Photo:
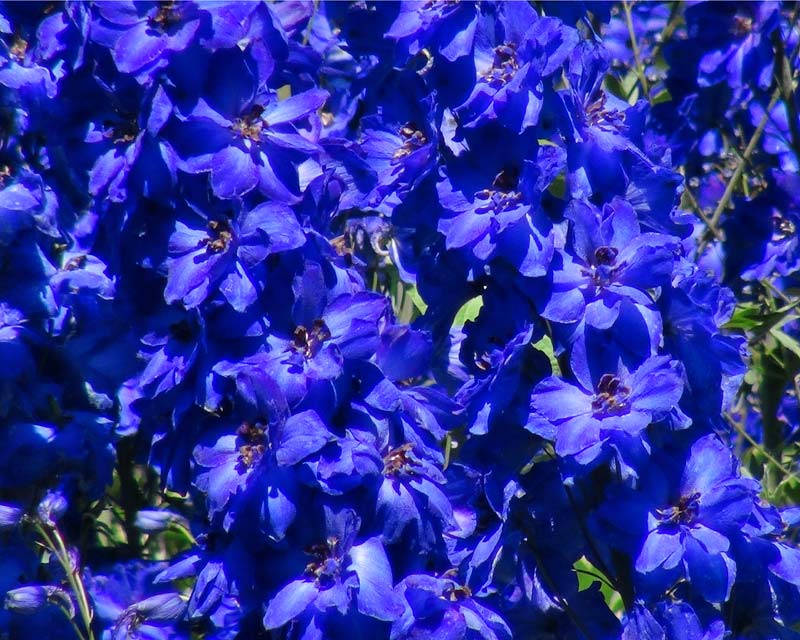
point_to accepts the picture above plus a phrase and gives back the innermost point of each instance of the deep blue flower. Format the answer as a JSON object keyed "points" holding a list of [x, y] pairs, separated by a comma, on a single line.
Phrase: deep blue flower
{"points": [[688, 531], [142, 35], [236, 461], [441, 28], [225, 254], [515, 53], [613, 262], [734, 41], [128, 147], [621, 401], [126, 605], [340, 574], [245, 137], [443, 608], [496, 214]]}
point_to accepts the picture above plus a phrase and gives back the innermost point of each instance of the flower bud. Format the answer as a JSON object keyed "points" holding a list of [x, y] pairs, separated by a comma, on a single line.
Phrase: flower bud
{"points": [[51, 508], [29, 599], [153, 520], [10, 516]]}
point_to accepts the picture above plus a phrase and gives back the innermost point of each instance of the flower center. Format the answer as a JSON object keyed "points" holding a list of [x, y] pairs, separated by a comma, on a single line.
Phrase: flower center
{"points": [[413, 139], [597, 115], [742, 25], [219, 236], [782, 227], [167, 15], [682, 513], [397, 460], [250, 125], [18, 49], [457, 593], [75, 263], [503, 194], [254, 439], [604, 268], [611, 396], [326, 565], [122, 132], [308, 342], [504, 66]]}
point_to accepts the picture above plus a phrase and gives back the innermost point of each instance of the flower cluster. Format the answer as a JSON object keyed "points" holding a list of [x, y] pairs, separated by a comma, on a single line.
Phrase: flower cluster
{"points": [[418, 319]]}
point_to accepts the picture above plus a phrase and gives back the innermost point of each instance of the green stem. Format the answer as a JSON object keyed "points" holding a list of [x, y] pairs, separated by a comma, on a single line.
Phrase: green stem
{"points": [[740, 166], [55, 544], [639, 67]]}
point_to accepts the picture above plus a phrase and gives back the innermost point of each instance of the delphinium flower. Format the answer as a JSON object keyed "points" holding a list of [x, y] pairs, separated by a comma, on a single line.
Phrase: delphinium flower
{"points": [[621, 401], [226, 253], [340, 573], [689, 532], [243, 136], [515, 52]]}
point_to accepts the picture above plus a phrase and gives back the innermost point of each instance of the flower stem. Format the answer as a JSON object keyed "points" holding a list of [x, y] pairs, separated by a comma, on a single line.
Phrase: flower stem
{"points": [[55, 543]]}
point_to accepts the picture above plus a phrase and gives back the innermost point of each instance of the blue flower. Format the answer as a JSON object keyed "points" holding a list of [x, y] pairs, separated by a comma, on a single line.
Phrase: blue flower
{"points": [[515, 52], [623, 401], [245, 137], [439, 27], [237, 461], [688, 532], [613, 262], [443, 608], [226, 253], [339, 574], [143, 35]]}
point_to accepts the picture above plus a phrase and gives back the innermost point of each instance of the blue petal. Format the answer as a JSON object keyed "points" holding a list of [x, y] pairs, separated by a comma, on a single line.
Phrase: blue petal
{"points": [[376, 597], [289, 603]]}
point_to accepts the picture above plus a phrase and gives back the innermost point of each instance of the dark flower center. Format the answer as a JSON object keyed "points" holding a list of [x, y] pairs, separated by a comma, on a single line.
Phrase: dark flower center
{"points": [[250, 125], [684, 512], [18, 49], [606, 255], [397, 460], [597, 115], [73, 264], [503, 194], [782, 227], [413, 139], [167, 15], [504, 66], [308, 342], [219, 236], [131, 620], [457, 593], [254, 439], [604, 269], [742, 25], [611, 396], [122, 132], [326, 565]]}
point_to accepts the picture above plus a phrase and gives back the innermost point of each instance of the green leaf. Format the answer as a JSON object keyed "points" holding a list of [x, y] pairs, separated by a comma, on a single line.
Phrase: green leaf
{"points": [[558, 187], [751, 316], [588, 574], [747, 316], [545, 345], [468, 311], [786, 341], [662, 96], [419, 303]]}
